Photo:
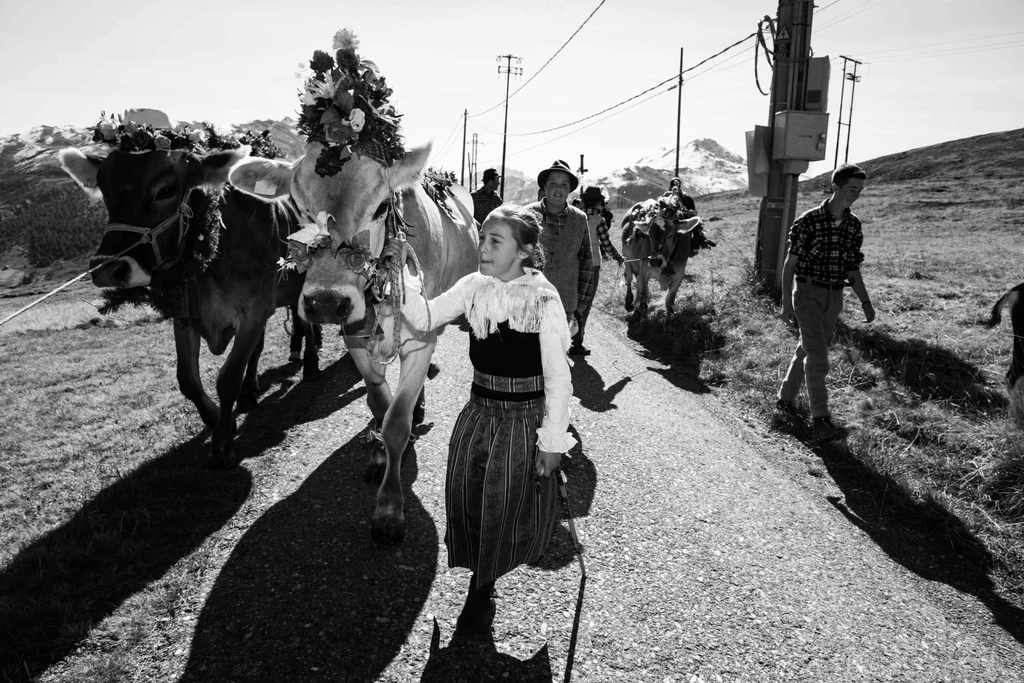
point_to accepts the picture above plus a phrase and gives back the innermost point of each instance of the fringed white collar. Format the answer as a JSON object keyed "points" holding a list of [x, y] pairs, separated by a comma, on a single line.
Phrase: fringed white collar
{"points": [[529, 303]]}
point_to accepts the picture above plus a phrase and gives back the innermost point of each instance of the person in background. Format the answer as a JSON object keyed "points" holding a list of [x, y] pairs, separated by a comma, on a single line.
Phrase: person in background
{"points": [[565, 237], [594, 206], [508, 440], [486, 199], [824, 253]]}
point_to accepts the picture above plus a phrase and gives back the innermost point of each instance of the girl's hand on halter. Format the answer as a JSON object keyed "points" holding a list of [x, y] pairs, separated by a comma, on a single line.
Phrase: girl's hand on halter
{"points": [[397, 249], [547, 462]]}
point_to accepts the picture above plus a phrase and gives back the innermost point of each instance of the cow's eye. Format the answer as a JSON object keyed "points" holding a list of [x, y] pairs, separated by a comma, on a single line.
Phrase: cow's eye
{"points": [[380, 210], [165, 192]]}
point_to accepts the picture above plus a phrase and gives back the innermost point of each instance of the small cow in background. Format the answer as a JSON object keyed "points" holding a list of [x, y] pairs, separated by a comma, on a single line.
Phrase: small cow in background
{"points": [[1014, 300]]}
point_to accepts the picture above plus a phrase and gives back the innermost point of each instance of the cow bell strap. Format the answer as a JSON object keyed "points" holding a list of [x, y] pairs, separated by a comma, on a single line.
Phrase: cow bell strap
{"points": [[149, 235]]}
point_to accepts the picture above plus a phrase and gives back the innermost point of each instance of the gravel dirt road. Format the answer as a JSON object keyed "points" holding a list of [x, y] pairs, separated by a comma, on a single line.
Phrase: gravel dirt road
{"points": [[716, 551]]}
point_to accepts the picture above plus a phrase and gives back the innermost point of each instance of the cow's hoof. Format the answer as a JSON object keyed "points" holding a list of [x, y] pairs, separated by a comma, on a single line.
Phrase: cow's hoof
{"points": [[378, 464], [222, 456], [629, 302], [387, 529]]}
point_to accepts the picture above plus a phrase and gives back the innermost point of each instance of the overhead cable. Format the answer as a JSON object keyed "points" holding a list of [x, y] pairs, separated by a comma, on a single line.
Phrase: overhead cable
{"points": [[545, 63], [641, 94]]}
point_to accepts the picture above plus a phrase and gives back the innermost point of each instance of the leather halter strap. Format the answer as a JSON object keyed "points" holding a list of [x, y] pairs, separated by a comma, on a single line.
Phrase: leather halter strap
{"points": [[149, 235]]}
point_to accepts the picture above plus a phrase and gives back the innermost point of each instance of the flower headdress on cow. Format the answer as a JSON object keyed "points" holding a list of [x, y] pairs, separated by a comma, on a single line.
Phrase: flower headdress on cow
{"points": [[345, 108], [147, 130]]}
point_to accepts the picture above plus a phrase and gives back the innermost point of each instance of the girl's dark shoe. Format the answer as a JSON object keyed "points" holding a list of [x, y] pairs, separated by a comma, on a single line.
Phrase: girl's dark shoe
{"points": [[478, 612]]}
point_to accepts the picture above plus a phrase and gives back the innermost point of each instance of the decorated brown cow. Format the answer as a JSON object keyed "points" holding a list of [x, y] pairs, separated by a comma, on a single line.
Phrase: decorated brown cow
{"points": [[201, 253], [364, 189], [658, 238]]}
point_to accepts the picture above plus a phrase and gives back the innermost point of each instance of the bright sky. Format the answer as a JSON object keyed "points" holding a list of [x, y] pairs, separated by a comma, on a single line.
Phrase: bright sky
{"points": [[933, 70]]}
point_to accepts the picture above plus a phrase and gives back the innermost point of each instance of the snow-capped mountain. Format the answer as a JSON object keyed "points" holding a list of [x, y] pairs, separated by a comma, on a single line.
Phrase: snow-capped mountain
{"points": [[705, 167]]}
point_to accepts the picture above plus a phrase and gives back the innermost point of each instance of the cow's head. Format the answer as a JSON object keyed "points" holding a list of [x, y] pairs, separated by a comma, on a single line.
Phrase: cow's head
{"points": [[358, 198], [145, 195], [649, 221]]}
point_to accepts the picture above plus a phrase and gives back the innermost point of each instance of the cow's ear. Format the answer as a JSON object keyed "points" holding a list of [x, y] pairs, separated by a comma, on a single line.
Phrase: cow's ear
{"points": [[82, 168], [266, 178], [407, 170], [217, 165]]}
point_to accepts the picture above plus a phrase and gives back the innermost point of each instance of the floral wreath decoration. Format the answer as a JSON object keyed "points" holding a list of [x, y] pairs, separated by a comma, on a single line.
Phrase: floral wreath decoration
{"points": [[304, 243], [346, 108]]}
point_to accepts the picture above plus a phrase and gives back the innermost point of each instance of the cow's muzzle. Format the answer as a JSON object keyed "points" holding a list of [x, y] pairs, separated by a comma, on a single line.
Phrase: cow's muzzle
{"points": [[326, 306], [118, 272]]}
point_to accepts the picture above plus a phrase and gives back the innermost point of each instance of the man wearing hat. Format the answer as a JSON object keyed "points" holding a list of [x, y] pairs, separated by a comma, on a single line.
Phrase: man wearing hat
{"points": [[565, 238], [594, 206], [486, 199]]}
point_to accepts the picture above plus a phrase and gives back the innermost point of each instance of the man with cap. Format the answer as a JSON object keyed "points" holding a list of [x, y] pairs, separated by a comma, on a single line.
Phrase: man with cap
{"points": [[486, 199], [565, 238]]}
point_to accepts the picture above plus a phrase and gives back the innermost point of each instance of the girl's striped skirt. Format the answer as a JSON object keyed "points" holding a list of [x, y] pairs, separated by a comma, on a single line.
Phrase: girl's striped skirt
{"points": [[500, 513]]}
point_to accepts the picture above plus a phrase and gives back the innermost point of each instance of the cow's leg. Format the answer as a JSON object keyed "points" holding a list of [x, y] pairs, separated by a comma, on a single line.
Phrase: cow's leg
{"points": [[1017, 360], [673, 287], [378, 399], [250, 392], [628, 277], [419, 413], [186, 346], [311, 359], [388, 522], [229, 384], [642, 291]]}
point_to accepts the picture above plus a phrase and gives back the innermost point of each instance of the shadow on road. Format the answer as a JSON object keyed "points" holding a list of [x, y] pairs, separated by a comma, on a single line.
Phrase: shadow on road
{"points": [[306, 595], [921, 536], [588, 386], [468, 660]]}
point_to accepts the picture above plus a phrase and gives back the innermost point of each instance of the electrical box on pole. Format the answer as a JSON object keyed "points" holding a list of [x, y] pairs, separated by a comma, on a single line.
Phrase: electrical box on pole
{"points": [[795, 138]]}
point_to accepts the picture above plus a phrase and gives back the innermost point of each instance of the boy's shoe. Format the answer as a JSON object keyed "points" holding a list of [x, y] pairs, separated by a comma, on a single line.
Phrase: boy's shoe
{"points": [[823, 428], [787, 408], [294, 356], [578, 350]]}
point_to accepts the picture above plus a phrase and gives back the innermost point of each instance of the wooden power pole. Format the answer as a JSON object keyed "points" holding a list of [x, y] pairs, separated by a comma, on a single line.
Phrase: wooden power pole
{"points": [[788, 99], [679, 110]]}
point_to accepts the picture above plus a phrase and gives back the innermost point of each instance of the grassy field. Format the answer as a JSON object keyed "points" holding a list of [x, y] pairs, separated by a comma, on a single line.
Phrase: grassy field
{"points": [[932, 469]]}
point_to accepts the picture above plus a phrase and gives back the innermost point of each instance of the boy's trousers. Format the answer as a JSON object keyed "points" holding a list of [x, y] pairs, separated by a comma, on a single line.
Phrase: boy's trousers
{"points": [[817, 310]]}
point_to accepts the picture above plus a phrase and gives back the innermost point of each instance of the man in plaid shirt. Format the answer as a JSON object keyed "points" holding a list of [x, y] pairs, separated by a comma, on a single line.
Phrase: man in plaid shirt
{"points": [[824, 253], [593, 201]]}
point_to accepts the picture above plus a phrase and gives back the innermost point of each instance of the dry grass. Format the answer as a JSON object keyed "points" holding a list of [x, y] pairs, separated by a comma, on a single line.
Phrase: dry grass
{"points": [[933, 431]]}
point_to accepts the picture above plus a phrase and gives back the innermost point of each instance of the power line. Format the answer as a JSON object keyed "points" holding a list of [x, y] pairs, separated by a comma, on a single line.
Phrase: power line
{"points": [[641, 94], [945, 42], [964, 50], [545, 63], [848, 16], [451, 137]]}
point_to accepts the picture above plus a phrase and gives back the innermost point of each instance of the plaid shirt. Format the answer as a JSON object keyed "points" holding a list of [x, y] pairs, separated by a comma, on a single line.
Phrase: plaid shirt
{"points": [[605, 248], [565, 238], [483, 203], [826, 250]]}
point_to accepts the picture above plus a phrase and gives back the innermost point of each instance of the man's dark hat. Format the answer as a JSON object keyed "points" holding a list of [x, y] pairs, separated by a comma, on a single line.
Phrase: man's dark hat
{"points": [[592, 196], [491, 174], [558, 165]]}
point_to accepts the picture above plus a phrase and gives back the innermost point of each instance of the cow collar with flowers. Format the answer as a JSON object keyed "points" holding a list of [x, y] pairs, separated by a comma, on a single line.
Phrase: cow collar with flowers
{"points": [[346, 108]]}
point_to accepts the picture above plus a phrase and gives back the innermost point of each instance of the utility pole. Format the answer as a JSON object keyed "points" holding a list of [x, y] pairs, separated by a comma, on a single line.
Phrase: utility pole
{"points": [[849, 121], [842, 93], [472, 164], [679, 110], [582, 170], [465, 119], [788, 94], [509, 71]]}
